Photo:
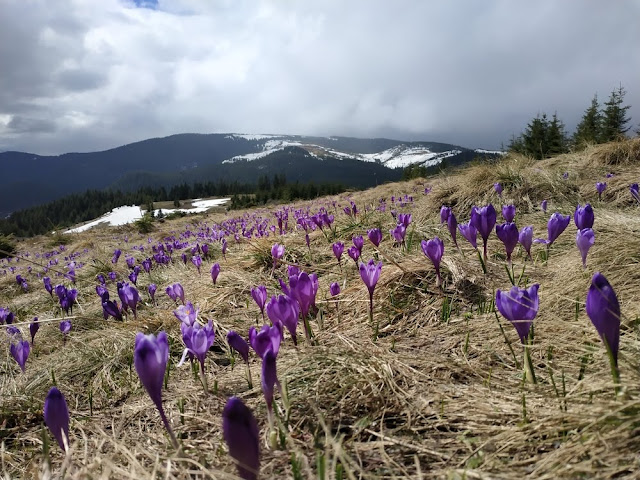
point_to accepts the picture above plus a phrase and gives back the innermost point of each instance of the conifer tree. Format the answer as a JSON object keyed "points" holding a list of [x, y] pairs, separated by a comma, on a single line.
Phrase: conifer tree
{"points": [[535, 137], [589, 130], [556, 138], [614, 116]]}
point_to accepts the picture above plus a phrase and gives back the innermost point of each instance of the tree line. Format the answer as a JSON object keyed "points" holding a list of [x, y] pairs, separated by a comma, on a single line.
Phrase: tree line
{"points": [[545, 137]]}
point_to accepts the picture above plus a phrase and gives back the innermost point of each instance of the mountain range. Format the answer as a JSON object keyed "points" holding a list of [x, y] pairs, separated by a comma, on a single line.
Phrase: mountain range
{"points": [[30, 179]]}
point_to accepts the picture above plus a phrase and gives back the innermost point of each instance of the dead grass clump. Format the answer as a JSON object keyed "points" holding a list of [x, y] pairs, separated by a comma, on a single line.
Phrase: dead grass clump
{"points": [[624, 152]]}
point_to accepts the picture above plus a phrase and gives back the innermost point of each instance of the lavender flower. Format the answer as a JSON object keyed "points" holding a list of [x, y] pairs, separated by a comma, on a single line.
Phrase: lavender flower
{"points": [[452, 226], [259, 295], [520, 307], [187, 314], [469, 232], [498, 188], [34, 326], [197, 261], [152, 288], [444, 213], [555, 226], [635, 191], [543, 206], [239, 344]]}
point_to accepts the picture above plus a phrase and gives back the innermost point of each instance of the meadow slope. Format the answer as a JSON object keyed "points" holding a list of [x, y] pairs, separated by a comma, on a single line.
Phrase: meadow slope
{"points": [[438, 394]]}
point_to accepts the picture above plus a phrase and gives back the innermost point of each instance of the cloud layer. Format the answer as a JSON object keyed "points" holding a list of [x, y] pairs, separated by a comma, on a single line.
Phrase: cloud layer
{"points": [[84, 75]]}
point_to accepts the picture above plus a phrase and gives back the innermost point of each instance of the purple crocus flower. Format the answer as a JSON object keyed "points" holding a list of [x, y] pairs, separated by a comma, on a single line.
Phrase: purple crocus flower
{"points": [[130, 297], [583, 216], [543, 206], [116, 255], [240, 432], [358, 242], [184, 258], [434, 249], [197, 261], [146, 264], [131, 261], [526, 239], [239, 344], [133, 277], [113, 276], [635, 191], [110, 308], [404, 219], [508, 235], [484, 219], [266, 340], [354, 253], [215, 271], [47, 285], [565, 175], [338, 249], [555, 226], [284, 310], [370, 274], [150, 358], [152, 288], [604, 311], [198, 342], [520, 307], [469, 232], [600, 188], [398, 233], [56, 417], [269, 380], [508, 213], [20, 352], [452, 226], [187, 314], [444, 213], [102, 292], [65, 328], [334, 289], [34, 326], [259, 295], [498, 188], [205, 250], [224, 248], [176, 291], [585, 239], [303, 291], [375, 236], [99, 277], [277, 251]]}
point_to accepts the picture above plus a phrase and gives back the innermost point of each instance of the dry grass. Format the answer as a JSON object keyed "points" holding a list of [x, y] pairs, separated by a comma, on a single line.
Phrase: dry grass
{"points": [[428, 399]]}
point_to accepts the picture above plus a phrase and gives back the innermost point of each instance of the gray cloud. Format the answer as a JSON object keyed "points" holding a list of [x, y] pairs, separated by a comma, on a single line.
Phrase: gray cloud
{"points": [[100, 74]]}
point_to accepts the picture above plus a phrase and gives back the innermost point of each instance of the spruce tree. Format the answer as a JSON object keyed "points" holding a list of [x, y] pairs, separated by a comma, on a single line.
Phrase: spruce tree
{"points": [[535, 137], [614, 116], [556, 138], [589, 130]]}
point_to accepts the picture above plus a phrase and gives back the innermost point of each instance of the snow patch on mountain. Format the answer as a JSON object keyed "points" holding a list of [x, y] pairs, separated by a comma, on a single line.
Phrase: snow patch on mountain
{"points": [[490, 152]]}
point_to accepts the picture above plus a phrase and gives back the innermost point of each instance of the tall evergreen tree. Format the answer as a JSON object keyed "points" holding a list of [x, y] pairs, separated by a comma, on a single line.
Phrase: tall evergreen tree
{"points": [[535, 137], [589, 130], [556, 138], [614, 116]]}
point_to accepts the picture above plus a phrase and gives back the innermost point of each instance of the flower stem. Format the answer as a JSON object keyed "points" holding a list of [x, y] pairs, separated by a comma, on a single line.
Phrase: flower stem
{"points": [[615, 372], [506, 339], [204, 378], [174, 441], [528, 366], [249, 381]]}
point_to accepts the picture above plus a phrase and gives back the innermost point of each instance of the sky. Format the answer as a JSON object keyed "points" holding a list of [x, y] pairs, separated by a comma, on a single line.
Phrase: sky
{"points": [[86, 75]]}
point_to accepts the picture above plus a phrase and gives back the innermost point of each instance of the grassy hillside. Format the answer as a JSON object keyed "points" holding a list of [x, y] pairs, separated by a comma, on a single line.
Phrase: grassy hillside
{"points": [[438, 393]]}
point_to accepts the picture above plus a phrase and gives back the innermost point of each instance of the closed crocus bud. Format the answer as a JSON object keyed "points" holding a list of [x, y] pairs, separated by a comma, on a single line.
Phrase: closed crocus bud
{"points": [[152, 291], [56, 417], [284, 310], [484, 219], [354, 253], [604, 311], [269, 378], [375, 236], [240, 431], [358, 242], [259, 295], [434, 249], [267, 339], [398, 233], [508, 235], [302, 289], [543, 206], [469, 232], [452, 226], [102, 292], [338, 248], [334, 289], [277, 251], [197, 261], [635, 191], [520, 307], [498, 188], [370, 274], [526, 239], [20, 352], [585, 239], [215, 271], [508, 213], [47, 285], [239, 344], [555, 226], [444, 213], [34, 326], [583, 216], [600, 188], [132, 297]]}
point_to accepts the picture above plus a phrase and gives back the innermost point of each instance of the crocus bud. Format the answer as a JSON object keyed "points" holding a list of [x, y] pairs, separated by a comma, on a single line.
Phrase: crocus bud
{"points": [[215, 271], [526, 239], [434, 249], [469, 232], [444, 213], [508, 235], [604, 311], [334, 289], [20, 352], [34, 326], [150, 358], [520, 307], [585, 239], [240, 431], [259, 295], [338, 248], [239, 344], [375, 236], [284, 310], [508, 213], [583, 216], [56, 417]]}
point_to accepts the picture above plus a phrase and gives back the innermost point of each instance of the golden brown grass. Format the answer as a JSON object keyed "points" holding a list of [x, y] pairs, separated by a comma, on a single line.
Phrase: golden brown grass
{"points": [[428, 399]]}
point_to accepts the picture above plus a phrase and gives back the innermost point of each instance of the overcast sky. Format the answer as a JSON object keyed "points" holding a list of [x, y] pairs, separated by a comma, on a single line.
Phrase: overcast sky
{"points": [[85, 75]]}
